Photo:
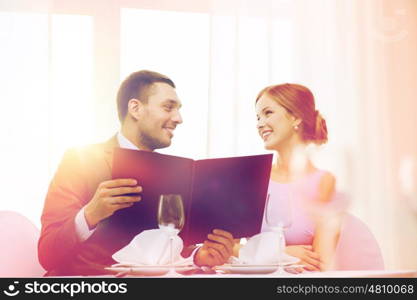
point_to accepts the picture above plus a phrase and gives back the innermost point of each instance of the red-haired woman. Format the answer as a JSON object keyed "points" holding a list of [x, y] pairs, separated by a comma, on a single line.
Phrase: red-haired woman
{"points": [[287, 122]]}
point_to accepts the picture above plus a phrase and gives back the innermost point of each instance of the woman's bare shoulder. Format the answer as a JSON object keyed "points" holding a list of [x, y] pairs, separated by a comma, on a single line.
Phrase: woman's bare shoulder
{"points": [[327, 186]]}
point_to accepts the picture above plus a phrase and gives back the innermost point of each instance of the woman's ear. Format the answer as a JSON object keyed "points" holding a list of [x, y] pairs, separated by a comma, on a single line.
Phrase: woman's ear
{"points": [[134, 108], [296, 121]]}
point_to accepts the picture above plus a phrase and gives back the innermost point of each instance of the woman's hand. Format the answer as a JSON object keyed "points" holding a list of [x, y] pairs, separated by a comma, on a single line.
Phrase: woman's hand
{"points": [[308, 258]]}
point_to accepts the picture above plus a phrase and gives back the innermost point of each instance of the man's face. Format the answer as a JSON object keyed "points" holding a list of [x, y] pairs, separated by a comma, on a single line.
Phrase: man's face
{"points": [[159, 117]]}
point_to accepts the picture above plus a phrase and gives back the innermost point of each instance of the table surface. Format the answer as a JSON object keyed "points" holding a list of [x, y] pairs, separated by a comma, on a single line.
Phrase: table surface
{"points": [[326, 274]]}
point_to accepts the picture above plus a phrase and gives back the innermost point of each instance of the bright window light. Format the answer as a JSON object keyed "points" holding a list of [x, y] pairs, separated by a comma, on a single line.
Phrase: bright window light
{"points": [[24, 112], [253, 70], [45, 102], [71, 105], [175, 44], [222, 103]]}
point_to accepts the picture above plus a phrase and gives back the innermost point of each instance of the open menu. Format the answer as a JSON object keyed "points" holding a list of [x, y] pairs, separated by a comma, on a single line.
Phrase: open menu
{"points": [[224, 193]]}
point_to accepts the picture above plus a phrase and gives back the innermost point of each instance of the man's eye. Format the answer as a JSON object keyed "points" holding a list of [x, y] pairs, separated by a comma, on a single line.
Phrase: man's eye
{"points": [[168, 107]]}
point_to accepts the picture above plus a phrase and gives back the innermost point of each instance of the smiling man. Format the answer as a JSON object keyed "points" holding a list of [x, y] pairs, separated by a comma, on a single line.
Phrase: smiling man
{"points": [[82, 193]]}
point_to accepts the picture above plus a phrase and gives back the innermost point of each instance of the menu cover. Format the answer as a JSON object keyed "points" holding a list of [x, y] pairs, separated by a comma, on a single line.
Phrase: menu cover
{"points": [[223, 193]]}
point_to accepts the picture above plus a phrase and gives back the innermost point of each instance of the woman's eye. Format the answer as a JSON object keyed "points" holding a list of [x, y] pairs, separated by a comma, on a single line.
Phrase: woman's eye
{"points": [[168, 107], [268, 112]]}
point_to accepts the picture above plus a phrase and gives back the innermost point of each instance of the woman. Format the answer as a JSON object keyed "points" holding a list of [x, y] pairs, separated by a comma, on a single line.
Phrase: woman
{"points": [[287, 123]]}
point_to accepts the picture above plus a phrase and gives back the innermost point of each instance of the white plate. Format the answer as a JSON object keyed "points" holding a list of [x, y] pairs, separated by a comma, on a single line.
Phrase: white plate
{"points": [[247, 269], [255, 269], [288, 260], [145, 270], [150, 270]]}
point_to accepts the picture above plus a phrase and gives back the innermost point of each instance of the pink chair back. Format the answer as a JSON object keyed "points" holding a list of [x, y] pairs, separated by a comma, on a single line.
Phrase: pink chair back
{"points": [[357, 248], [18, 244]]}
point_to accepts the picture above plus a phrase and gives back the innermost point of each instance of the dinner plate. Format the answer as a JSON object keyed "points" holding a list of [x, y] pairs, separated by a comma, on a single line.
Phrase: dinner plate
{"points": [[142, 270], [247, 269], [256, 268], [148, 270]]}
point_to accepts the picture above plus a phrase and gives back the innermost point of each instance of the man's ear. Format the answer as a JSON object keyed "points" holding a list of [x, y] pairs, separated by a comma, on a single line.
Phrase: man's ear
{"points": [[134, 108]]}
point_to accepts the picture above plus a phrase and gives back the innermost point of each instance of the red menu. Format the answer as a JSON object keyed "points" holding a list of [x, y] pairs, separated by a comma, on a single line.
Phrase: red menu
{"points": [[224, 193]]}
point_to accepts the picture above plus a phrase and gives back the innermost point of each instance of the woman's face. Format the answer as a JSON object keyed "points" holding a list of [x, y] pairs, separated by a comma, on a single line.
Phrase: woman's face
{"points": [[275, 124]]}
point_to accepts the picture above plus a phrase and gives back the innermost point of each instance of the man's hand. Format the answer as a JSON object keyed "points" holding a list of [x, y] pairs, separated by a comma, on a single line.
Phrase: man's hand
{"points": [[110, 197], [216, 250], [308, 258]]}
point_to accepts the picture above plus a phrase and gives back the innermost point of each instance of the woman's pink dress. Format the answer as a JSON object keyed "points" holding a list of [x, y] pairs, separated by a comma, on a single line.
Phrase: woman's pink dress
{"points": [[357, 248]]}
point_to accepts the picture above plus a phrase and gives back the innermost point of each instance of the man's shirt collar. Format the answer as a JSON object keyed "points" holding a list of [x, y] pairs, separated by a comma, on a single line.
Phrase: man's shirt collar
{"points": [[125, 143]]}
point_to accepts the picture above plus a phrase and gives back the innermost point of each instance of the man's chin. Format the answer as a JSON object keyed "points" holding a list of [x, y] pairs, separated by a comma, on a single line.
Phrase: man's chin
{"points": [[167, 144], [163, 144], [155, 143]]}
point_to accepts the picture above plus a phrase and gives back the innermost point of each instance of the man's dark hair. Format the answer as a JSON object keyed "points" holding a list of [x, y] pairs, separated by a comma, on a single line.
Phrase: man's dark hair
{"points": [[136, 86]]}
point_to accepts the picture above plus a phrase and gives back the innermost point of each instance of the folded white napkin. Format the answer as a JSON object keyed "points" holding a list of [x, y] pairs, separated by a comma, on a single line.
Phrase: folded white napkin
{"points": [[151, 247], [263, 249]]}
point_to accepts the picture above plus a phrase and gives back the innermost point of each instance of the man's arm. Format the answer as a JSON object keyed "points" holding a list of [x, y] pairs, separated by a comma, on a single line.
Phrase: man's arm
{"points": [[66, 196], [110, 196], [81, 226], [216, 250]]}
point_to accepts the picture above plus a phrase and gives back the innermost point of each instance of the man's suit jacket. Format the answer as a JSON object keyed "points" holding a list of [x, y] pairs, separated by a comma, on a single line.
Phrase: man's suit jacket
{"points": [[73, 186]]}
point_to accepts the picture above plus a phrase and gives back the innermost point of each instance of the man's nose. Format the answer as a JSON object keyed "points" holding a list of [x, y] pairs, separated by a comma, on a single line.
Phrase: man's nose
{"points": [[177, 118]]}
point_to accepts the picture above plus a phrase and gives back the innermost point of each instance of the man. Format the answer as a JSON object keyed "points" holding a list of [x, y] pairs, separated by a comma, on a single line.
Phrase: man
{"points": [[82, 194]]}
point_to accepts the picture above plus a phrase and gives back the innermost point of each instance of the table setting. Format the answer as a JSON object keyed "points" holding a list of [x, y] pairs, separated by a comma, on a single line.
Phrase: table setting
{"points": [[148, 254], [157, 252]]}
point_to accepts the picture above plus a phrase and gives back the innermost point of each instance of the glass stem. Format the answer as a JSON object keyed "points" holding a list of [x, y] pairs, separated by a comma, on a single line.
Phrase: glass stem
{"points": [[170, 253], [281, 241]]}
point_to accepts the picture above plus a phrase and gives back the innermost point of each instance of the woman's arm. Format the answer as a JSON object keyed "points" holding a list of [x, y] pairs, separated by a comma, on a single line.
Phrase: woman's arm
{"points": [[327, 221], [308, 258]]}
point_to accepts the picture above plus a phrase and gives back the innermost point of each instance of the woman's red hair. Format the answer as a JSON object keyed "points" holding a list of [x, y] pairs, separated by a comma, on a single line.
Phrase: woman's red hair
{"points": [[299, 101]]}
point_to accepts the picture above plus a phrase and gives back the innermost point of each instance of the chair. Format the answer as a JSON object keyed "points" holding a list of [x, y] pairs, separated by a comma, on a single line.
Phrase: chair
{"points": [[19, 252], [357, 248]]}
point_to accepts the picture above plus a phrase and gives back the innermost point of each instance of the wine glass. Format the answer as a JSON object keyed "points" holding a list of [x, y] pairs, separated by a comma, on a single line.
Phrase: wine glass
{"points": [[171, 218], [278, 218]]}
